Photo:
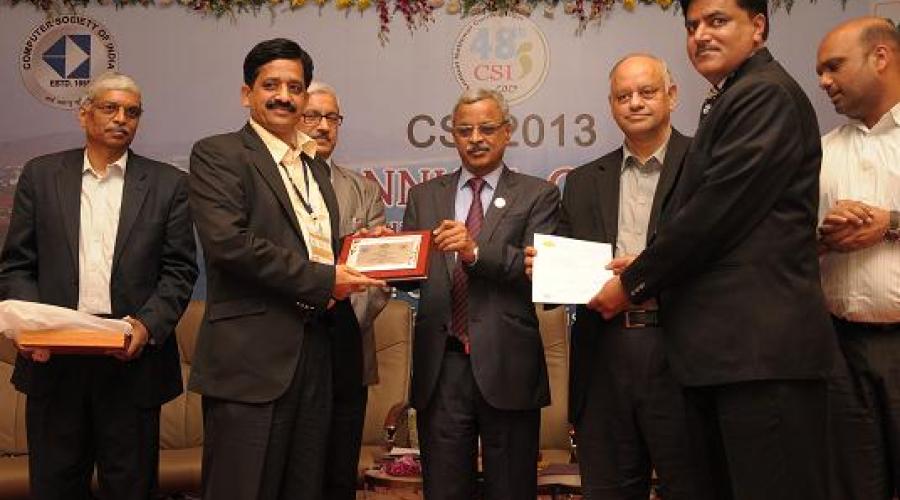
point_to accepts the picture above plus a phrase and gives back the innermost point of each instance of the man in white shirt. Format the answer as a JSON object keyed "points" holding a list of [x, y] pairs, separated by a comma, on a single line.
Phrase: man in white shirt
{"points": [[353, 356], [859, 67], [266, 216], [107, 232]]}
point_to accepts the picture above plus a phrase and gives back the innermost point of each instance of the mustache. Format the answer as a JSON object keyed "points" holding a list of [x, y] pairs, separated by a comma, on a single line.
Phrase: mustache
{"points": [[118, 129], [285, 105], [318, 135], [478, 148], [704, 48]]}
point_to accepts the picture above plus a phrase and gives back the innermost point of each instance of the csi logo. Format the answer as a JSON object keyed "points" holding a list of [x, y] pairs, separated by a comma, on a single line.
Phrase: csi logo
{"points": [[505, 53], [61, 55]]}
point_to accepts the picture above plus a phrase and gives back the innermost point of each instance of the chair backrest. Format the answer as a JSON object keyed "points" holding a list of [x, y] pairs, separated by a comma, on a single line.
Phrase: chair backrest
{"points": [[554, 325], [12, 404], [181, 420], [393, 345]]}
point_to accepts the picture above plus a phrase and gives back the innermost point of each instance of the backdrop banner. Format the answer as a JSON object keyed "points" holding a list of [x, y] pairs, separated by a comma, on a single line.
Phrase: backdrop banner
{"points": [[396, 98]]}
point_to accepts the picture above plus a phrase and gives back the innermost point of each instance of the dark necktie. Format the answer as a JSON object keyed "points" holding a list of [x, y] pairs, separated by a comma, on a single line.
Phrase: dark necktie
{"points": [[459, 293]]}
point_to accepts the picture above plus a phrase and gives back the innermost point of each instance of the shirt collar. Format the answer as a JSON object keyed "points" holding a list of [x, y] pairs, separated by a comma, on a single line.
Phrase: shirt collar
{"points": [[490, 179], [659, 154], [888, 121], [278, 148], [120, 162]]}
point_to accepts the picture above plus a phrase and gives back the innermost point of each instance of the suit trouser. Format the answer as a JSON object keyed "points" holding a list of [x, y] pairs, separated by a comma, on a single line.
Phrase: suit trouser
{"points": [[760, 440], [275, 450], [449, 428], [633, 421], [348, 414], [90, 416], [864, 400]]}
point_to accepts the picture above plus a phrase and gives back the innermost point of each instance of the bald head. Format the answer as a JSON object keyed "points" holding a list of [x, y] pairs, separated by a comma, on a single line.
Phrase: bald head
{"points": [[858, 64], [641, 98]]}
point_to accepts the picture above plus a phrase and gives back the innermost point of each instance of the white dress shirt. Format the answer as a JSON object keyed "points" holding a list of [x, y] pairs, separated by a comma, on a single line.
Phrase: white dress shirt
{"points": [[295, 178], [863, 164], [101, 203]]}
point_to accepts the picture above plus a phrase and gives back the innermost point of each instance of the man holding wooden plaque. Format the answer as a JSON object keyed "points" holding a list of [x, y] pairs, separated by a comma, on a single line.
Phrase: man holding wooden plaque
{"points": [[106, 232]]}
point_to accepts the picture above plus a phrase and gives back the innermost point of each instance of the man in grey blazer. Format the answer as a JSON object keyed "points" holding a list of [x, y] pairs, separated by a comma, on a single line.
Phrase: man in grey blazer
{"points": [[478, 360], [353, 356]]}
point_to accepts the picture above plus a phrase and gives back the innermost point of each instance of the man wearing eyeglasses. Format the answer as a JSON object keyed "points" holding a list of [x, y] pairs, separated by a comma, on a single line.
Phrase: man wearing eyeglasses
{"points": [[478, 359], [353, 356], [622, 384], [107, 232]]}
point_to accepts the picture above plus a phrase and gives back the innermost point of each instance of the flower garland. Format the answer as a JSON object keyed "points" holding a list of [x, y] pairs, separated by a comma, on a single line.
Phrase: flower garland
{"points": [[415, 13]]}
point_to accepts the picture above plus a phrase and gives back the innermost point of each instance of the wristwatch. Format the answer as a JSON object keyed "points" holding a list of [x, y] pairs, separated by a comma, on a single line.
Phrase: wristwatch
{"points": [[893, 231]]}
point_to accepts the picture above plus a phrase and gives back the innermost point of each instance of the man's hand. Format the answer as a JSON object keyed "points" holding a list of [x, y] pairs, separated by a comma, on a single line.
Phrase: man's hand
{"points": [[852, 225], [139, 338], [530, 254], [452, 236], [38, 355], [619, 264], [374, 232], [611, 299], [348, 280]]}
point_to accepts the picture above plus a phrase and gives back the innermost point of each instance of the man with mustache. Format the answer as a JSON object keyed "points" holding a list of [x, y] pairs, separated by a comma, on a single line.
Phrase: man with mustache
{"points": [[107, 232], [859, 68], [478, 360], [355, 367], [267, 218], [735, 269], [621, 383]]}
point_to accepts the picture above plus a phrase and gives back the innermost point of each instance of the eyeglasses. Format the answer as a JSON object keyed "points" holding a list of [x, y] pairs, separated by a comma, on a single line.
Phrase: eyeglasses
{"points": [[484, 129], [110, 109], [646, 94], [314, 117]]}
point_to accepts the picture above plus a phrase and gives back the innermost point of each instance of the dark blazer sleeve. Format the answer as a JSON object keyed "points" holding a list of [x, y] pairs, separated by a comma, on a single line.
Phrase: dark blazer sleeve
{"points": [[744, 175], [505, 263], [178, 269], [220, 202], [19, 259]]}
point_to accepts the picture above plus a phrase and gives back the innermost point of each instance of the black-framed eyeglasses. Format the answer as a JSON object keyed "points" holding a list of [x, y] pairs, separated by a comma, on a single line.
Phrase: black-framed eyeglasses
{"points": [[314, 117], [111, 109], [484, 129]]}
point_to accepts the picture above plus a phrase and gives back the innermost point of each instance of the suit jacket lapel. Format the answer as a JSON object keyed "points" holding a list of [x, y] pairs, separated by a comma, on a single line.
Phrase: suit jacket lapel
{"points": [[445, 201], [671, 169], [68, 187], [262, 160], [320, 174], [606, 211], [506, 189], [133, 194]]}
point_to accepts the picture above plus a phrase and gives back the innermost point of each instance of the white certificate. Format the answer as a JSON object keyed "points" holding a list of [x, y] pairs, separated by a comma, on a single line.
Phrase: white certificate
{"points": [[568, 271]]}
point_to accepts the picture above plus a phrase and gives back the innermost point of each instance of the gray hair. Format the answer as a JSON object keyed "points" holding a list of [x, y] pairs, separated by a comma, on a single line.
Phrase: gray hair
{"points": [[106, 82], [668, 81], [473, 95], [317, 87]]}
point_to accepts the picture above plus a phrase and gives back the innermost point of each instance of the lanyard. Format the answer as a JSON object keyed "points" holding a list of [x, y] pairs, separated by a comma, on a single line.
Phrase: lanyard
{"points": [[306, 205]]}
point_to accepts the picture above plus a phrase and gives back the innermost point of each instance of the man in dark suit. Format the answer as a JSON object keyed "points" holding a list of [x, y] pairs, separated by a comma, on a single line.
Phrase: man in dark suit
{"points": [[735, 269], [107, 232], [478, 361], [353, 356], [268, 222], [621, 383]]}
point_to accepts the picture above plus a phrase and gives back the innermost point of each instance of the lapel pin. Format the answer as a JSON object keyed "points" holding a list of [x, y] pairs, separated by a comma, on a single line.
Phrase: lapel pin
{"points": [[499, 202]]}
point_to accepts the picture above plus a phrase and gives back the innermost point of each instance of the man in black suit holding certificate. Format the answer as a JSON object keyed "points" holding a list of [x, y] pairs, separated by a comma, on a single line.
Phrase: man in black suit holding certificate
{"points": [[735, 269]]}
